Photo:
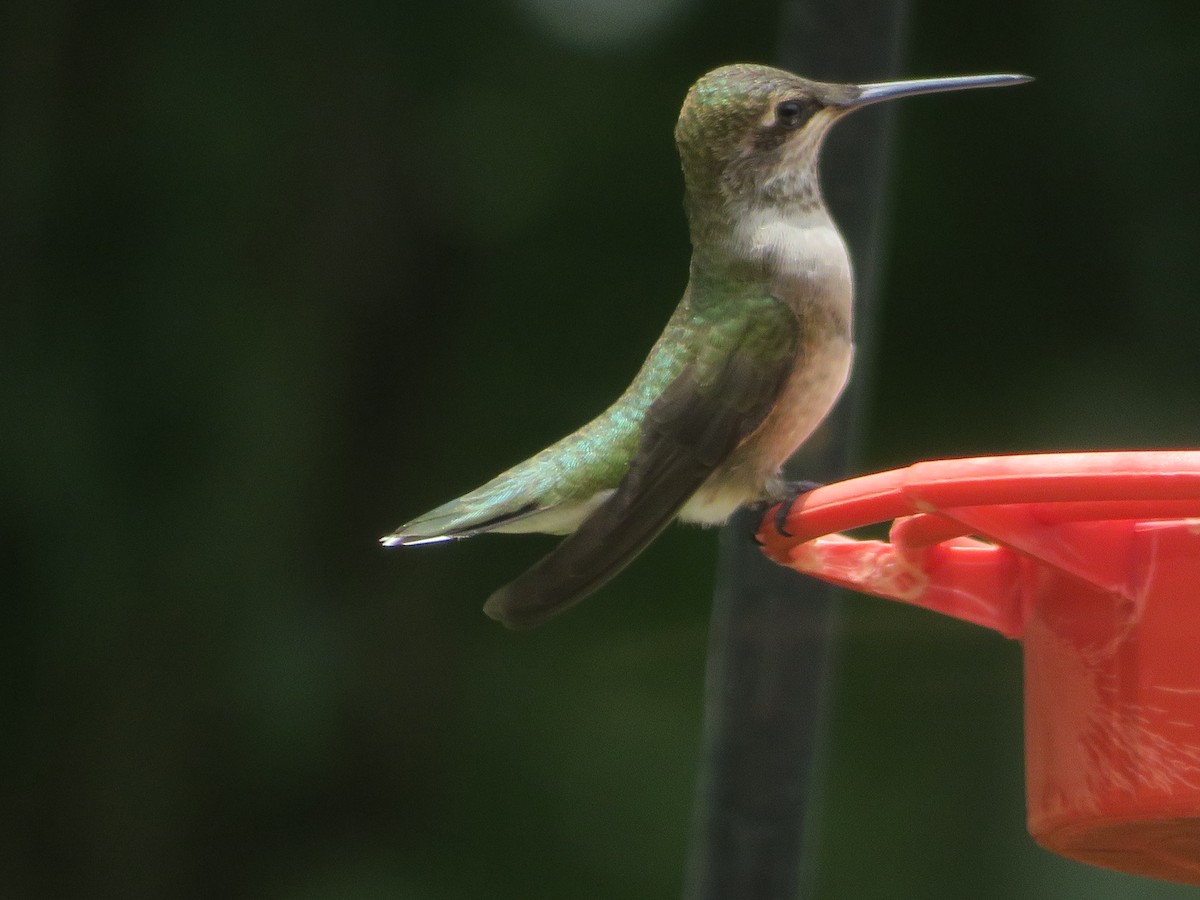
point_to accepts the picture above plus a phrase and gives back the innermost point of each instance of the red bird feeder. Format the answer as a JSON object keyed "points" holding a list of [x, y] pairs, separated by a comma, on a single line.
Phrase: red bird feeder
{"points": [[1092, 561]]}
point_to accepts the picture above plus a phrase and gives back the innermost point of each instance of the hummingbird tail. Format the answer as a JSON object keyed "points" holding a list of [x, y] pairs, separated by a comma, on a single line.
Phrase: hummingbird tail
{"points": [[454, 521]]}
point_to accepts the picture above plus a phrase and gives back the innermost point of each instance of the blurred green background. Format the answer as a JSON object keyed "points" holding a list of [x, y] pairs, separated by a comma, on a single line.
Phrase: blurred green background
{"points": [[276, 277]]}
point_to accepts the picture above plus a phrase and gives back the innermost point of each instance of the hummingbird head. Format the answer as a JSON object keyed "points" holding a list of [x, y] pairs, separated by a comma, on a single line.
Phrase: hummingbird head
{"points": [[751, 135]]}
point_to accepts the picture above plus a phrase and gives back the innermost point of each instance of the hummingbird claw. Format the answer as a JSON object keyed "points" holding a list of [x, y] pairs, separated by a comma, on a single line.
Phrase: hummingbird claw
{"points": [[759, 508], [795, 490]]}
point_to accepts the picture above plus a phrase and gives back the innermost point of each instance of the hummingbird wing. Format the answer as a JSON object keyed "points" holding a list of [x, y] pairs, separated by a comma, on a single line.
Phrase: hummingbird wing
{"points": [[720, 399]]}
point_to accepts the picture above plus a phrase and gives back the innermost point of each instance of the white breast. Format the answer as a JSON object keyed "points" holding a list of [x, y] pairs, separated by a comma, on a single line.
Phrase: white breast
{"points": [[810, 267], [803, 249]]}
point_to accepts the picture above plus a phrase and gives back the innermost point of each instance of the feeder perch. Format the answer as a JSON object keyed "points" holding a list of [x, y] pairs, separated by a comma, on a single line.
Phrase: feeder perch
{"points": [[1092, 562]]}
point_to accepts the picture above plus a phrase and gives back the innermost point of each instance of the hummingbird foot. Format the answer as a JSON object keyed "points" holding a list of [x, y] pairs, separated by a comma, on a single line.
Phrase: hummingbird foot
{"points": [[789, 492], [793, 491]]}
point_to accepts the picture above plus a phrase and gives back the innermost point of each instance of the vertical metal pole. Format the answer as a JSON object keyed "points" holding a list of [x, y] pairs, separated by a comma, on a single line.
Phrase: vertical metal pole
{"points": [[770, 632]]}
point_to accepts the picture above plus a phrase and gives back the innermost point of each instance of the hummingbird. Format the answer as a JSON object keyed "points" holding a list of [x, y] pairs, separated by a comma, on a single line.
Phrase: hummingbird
{"points": [[749, 364]]}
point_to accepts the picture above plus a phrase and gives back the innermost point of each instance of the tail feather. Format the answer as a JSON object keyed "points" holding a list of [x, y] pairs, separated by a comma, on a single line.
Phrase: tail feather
{"points": [[456, 520]]}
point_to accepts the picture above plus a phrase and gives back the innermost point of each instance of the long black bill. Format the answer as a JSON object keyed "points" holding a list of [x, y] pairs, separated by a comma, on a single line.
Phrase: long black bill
{"points": [[890, 90]]}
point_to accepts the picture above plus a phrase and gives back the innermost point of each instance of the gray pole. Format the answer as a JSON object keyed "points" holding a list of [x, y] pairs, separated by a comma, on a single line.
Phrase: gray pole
{"points": [[770, 632]]}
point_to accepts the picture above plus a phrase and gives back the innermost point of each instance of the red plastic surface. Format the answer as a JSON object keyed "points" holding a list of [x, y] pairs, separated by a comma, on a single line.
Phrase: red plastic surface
{"points": [[1092, 560]]}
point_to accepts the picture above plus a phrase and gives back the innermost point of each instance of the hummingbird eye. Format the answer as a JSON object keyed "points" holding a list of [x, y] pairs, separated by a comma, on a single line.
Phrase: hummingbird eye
{"points": [[793, 113]]}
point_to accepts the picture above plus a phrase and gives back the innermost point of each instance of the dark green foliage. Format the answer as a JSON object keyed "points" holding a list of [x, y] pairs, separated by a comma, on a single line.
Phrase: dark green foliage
{"points": [[275, 278]]}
